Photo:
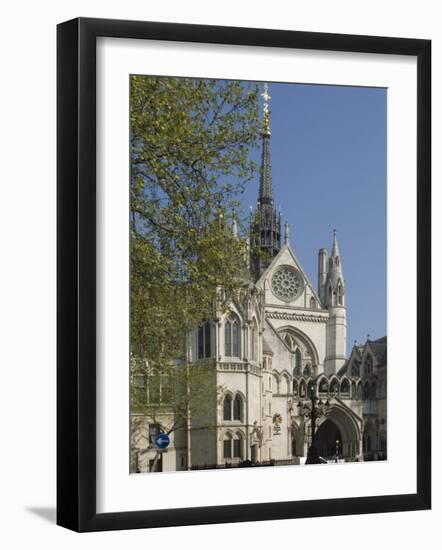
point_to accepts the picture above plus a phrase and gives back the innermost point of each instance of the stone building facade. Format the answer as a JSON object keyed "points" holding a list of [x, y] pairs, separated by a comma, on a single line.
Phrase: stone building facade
{"points": [[280, 337]]}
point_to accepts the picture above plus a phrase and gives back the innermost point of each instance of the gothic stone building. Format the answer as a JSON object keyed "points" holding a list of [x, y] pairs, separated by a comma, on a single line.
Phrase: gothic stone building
{"points": [[280, 335]]}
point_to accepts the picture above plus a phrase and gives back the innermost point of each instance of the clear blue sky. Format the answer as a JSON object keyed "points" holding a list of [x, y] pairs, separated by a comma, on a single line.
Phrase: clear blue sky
{"points": [[328, 153]]}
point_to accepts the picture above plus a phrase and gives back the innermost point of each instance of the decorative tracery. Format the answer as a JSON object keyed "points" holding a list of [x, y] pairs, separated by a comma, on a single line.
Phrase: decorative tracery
{"points": [[286, 283], [232, 336]]}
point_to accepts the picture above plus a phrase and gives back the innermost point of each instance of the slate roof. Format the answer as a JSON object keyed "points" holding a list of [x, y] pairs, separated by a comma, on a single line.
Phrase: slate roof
{"points": [[379, 349]]}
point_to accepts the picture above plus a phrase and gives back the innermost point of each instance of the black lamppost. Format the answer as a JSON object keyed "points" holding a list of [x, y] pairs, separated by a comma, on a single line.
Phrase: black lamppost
{"points": [[314, 411]]}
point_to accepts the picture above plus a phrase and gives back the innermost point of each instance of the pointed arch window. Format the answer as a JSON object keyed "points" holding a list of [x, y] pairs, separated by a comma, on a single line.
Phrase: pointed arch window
{"points": [[312, 303], [334, 387], [227, 407], [227, 446], [204, 344], [298, 361], [275, 384], [323, 385], [238, 446], [237, 408], [232, 336], [345, 387], [233, 445], [302, 390], [254, 341]]}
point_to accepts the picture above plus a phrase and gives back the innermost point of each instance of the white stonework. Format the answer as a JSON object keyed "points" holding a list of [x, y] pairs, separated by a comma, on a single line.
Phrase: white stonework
{"points": [[283, 337], [283, 347]]}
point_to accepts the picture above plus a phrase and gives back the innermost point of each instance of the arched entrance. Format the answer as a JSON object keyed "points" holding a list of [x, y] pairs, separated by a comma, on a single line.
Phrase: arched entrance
{"points": [[342, 425], [328, 440]]}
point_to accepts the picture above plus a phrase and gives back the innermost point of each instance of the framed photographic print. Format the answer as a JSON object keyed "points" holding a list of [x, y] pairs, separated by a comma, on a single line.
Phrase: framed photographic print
{"points": [[243, 274]]}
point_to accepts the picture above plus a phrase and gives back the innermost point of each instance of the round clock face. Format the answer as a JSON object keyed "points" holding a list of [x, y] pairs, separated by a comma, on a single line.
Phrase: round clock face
{"points": [[287, 283]]}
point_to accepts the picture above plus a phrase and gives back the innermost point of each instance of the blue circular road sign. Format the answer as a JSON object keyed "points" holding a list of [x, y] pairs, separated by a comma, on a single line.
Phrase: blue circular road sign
{"points": [[162, 441]]}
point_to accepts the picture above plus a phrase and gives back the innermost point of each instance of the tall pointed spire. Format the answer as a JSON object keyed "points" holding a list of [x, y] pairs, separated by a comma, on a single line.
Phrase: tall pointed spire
{"points": [[335, 284], [335, 248], [335, 259], [266, 111], [266, 225], [265, 186]]}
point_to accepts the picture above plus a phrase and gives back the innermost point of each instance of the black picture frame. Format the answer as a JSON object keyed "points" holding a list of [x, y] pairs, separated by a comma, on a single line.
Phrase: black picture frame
{"points": [[77, 287]]}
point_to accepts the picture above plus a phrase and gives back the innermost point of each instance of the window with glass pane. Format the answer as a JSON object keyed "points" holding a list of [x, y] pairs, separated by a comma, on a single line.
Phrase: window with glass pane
{"points": [[237, 406], [298, 361], [232, 337], [237, 448], [228, 448], [201, 343], [227, 408], [228, 339], [207, 340], [236, 342], [204, 347]]}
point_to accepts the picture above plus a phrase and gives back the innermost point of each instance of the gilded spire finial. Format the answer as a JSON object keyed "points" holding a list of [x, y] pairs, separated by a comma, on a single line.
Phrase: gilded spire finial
{"points": [[266, 121]]}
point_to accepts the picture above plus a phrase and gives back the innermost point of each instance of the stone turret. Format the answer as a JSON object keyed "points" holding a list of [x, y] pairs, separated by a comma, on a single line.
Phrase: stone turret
{"points": [[334, 301]]}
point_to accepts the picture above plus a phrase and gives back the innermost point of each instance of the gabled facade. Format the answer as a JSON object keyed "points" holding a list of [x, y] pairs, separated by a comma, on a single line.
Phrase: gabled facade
{"points": [[280, 335]]}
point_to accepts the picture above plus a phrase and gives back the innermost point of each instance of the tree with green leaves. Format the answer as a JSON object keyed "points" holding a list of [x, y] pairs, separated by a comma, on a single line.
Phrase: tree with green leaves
{"points": [[190, 143]]}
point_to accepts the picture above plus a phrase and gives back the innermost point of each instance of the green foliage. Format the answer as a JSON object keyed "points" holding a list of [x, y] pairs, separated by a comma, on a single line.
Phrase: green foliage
{"points": [[185, 391], [190, 159]]}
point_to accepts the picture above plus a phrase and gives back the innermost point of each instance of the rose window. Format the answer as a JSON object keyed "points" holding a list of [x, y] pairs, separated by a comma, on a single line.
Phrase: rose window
{"points": [[287, 283]]}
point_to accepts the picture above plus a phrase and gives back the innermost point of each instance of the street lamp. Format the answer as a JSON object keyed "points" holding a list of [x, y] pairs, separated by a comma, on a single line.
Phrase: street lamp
{"points": [[315, 410], [337, 451]]}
